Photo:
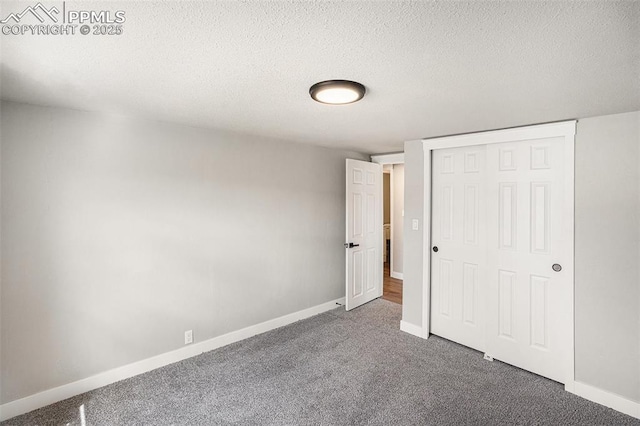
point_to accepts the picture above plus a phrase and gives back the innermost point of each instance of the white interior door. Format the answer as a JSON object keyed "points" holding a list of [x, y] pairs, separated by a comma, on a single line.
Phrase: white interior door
{"points": [[363, 232], [497, 280], [530, 302], [458, 257]]}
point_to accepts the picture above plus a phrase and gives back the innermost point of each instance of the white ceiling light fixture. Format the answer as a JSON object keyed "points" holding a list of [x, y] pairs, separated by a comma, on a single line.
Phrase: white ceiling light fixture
{"points": [[337, 92]]}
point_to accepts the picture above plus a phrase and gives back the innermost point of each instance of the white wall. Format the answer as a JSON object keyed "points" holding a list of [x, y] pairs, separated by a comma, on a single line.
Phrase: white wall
{"points": [[607, 253], [397, 226], [119, 235]]}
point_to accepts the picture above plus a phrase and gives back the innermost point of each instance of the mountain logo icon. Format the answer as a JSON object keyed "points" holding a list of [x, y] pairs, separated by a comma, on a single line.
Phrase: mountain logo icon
{"points": [[34, 11]]}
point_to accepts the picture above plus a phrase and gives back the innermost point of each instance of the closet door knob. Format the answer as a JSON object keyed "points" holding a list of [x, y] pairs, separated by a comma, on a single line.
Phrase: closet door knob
{"points": [[435, 249]]}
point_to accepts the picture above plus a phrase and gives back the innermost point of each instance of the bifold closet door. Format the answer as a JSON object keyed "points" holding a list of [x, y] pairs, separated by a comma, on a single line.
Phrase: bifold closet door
{"points": [[458, 255], [529, 298]]}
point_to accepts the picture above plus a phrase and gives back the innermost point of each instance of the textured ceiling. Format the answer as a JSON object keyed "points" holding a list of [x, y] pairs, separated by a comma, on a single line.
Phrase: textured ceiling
{"points": [[431, 68]]}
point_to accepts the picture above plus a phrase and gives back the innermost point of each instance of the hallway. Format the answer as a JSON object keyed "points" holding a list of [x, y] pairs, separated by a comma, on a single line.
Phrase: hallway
{"points": [[392, 287]]}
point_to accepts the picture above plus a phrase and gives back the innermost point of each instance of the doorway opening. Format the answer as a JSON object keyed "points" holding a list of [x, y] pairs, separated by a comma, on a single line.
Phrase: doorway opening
{"points": [[393, 232], [366, 257]]}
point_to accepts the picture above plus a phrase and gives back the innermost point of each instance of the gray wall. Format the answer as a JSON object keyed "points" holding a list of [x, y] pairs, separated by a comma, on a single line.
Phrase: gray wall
{"points": [[607, 254], [119, 235], [397, 226], [413, 241]]}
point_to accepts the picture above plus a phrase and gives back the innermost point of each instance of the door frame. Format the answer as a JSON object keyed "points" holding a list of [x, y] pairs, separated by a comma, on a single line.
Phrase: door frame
{"points": [[383, 160], [564, 129]]}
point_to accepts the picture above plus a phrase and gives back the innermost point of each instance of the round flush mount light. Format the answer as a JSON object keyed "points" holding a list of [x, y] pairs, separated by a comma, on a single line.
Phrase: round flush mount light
{"points": [[337, 92]]}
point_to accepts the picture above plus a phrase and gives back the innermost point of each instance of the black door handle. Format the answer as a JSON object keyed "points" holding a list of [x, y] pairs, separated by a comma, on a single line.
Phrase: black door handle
{"points": [[351, 245], [435, 249]]}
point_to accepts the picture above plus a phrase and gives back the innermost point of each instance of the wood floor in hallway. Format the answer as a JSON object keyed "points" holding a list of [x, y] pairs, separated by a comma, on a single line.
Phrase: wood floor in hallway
{"points": [[392, 287]]}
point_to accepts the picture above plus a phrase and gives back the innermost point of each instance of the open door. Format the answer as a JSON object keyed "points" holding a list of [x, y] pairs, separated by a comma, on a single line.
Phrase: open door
{"points": [[364, 233]]}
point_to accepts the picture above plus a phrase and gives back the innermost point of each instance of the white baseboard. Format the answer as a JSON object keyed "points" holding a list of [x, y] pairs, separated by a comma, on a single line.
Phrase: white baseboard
{"points": [[605, 398], [396, 275], [410, 328], [50, 396]]}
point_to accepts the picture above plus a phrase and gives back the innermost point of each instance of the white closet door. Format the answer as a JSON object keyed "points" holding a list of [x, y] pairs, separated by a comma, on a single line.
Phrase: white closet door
{"points": [[529, 301], [497, 282], [459, 236]]}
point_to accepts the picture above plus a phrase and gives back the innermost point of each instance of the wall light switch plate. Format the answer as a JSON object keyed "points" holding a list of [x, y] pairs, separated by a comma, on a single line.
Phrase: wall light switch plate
{"points": [[415, 224]]}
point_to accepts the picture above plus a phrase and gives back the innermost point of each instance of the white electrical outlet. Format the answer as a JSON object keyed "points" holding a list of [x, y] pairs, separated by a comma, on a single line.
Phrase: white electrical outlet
{"points": [[188, 337], [415, 225]]}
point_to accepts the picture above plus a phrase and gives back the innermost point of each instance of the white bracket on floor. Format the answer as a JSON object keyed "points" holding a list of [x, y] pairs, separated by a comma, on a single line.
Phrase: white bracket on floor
{"points": [[488, 357]]}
